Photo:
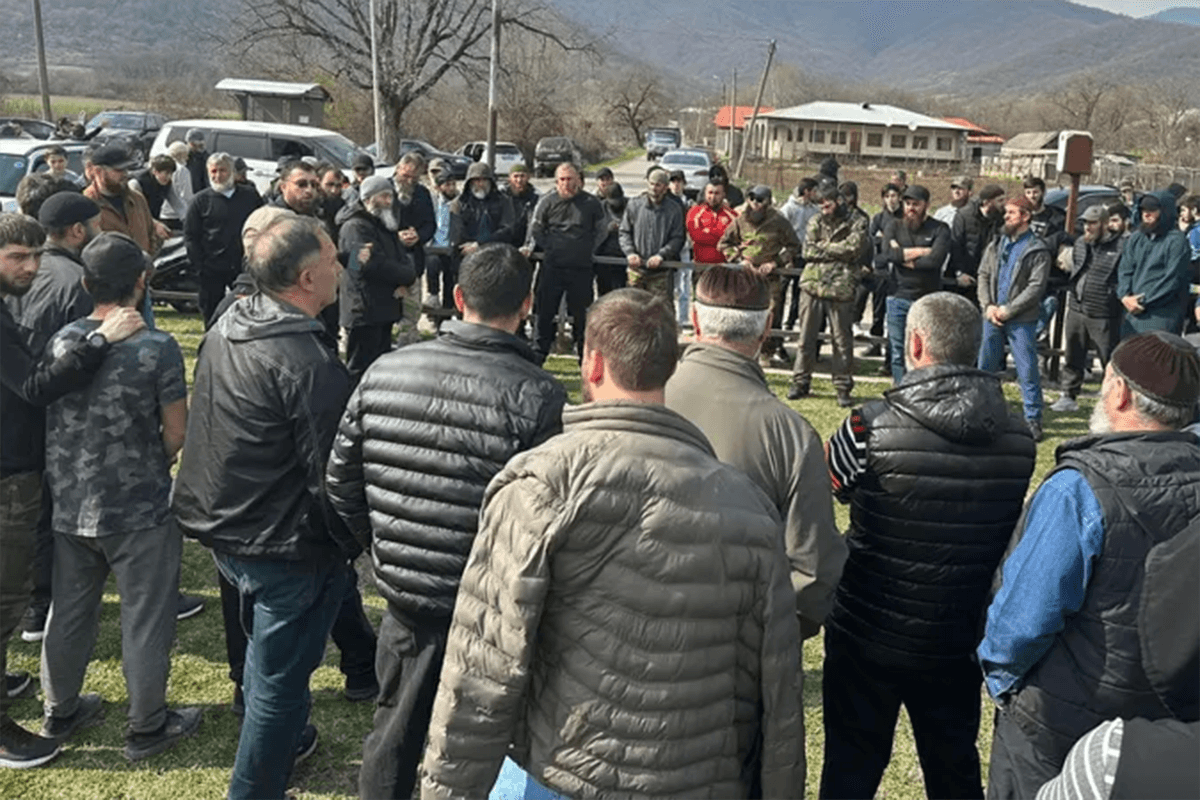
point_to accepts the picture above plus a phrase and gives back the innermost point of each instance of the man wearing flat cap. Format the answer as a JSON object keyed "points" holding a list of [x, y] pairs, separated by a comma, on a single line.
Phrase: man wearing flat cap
{"points": [[1064, 647], [1093, 312], [762, 241], [719, 387], [652, 232]]}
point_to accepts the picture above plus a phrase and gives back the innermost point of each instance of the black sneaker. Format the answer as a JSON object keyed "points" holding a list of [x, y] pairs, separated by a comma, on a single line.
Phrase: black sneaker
{"points": [[238, 707], [308, 743], [179, 724], [1035, 427], [89, 713], [362, 688], [797, 391], [844, 399], [188, 606], [33, 624], [20, 749], [15, 683]]}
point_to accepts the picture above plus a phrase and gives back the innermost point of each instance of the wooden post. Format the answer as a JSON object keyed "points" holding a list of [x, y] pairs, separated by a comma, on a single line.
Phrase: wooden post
{"points": [[762, 84]]}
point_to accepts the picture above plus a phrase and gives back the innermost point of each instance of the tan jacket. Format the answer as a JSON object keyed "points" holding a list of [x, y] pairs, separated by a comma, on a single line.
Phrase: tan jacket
{"points": [[725, 394], [135, 222], [625, 620]]}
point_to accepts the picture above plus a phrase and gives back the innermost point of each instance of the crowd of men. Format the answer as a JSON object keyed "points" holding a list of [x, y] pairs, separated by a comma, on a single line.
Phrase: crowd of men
{"points": [[609, 599]]}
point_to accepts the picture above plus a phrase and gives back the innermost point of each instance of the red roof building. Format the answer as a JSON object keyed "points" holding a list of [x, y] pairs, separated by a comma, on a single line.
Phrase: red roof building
{"points": [[976, 134], [741, 115]]}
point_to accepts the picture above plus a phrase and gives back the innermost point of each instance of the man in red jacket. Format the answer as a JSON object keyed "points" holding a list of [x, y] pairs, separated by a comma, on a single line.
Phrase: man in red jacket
{"points": [[705, 223]]}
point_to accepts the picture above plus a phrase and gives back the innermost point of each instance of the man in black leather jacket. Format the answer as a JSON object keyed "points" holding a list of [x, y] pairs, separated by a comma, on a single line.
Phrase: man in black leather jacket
{"points": [[268, 393], [935, 474], [426, 429]]}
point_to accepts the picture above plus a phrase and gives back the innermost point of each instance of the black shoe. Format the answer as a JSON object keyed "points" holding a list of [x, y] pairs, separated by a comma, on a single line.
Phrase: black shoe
{"points": [[188, 606], [844, 399], [239, 702], [308, 743], [178, 725], [15, 683], [361, 688], [20, 749], [90, 712], [796, 392], [33, 624], [1035, 427]]}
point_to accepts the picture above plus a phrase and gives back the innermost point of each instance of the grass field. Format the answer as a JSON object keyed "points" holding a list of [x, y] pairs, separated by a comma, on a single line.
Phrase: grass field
{"points": [[92, 765]]}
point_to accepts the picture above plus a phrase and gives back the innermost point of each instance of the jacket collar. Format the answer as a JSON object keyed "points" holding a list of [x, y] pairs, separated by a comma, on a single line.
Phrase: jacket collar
{"points": [[726, 360], [483, 337], [628, 417]]}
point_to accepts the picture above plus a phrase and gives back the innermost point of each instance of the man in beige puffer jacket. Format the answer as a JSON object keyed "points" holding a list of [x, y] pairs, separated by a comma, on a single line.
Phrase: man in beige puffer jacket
{"points": [[625, 620]]}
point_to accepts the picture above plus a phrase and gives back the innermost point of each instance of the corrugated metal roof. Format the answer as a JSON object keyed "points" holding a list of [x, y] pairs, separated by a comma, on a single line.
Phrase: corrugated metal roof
{"points": [[1033, 140], [272, 88], [861, 114]]}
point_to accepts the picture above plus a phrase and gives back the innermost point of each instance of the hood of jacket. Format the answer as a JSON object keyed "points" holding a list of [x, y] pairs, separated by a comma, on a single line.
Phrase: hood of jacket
{"points": [[478, 170], [959, 403], [355, 206], [1168, 216], [262, 316]]}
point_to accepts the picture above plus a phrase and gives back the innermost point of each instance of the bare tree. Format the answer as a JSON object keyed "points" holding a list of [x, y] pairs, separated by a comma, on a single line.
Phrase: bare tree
{"points": [[419, 43], [1079, 99], [636, 100]]}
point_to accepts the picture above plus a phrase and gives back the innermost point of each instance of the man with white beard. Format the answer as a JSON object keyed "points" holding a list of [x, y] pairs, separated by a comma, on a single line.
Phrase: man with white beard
{"points": [[377, 267], [414, 211], [212, 231], [1066, 645]]}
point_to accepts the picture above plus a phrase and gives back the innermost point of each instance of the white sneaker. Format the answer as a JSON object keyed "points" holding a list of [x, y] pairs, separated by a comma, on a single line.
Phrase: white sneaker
{"points": [[1065, 404]]}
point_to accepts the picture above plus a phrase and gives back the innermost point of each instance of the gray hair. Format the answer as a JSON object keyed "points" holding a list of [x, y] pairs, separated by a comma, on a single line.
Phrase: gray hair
{"points": [[413, 159], [1173, 417], [952, 328], [282, 250], [733, 325], [178, 151], [220, 158]]}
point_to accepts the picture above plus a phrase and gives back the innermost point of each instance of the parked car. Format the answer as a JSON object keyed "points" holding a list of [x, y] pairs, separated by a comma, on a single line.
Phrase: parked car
{"points": [[508, 155], [695, 164], [660, 140], [136, 129], [21, 127], [1089, 196], [554, 150], [21, 157], [262, 144], [458, 163]]}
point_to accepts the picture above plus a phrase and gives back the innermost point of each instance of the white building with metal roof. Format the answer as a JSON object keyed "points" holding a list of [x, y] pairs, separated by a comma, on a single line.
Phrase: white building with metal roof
{"points": [[867, 130]]}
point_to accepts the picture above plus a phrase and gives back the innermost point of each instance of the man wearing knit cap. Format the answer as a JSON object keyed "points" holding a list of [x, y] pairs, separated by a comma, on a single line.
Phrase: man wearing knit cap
{"points": [[377, 267], [1064, 647], [652, 232], [1012, 281], [1155, 269], [762, 241], [718, 387]]}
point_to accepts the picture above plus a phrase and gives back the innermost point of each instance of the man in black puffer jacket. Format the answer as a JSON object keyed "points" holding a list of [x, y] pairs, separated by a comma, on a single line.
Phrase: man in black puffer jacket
{"points": [[936, 474], [427, 428]]}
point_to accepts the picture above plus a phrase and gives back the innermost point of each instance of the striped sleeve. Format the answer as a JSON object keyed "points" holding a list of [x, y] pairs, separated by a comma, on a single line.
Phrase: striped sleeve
{"points": [[1091, 766], [846, 454]]}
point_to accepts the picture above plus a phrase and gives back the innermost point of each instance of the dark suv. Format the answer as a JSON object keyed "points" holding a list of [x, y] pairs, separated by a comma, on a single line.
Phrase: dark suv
{"points": [[552, 151], [135, 129]]}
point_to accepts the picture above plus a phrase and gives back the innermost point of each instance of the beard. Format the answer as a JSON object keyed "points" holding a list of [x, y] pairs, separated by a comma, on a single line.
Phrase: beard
{"points": [[756, 215], [1099, 422], [404, 190], [479, 194], [1011, 231], [913, 222], [1148, 228], [14, 288], [222, 187], [386, 216], [447, 195]]}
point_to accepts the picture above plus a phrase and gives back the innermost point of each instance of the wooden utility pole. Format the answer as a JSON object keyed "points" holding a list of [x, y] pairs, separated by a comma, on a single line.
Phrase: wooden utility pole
{"points": [[379, 125], [732, 113], [762, 85], [492, 75], [43, 78]]}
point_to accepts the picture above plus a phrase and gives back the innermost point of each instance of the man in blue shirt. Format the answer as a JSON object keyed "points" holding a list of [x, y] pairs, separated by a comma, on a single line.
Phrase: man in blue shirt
{"points": [[1012, 280], [1064, 648]]}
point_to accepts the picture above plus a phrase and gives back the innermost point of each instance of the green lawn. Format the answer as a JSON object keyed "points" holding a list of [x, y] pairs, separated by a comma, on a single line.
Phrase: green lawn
{"points": [[92, 765]]}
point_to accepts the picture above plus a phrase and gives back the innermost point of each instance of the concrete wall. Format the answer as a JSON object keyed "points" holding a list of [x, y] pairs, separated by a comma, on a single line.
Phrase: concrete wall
{"points": [[791, 140]]}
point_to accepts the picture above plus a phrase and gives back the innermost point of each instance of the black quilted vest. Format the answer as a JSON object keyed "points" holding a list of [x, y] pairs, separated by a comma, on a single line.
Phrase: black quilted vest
{"points": [[1148, 487]]}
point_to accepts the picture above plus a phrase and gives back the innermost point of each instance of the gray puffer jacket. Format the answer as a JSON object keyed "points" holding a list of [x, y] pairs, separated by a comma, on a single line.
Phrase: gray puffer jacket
{"points": [[626, 621]]}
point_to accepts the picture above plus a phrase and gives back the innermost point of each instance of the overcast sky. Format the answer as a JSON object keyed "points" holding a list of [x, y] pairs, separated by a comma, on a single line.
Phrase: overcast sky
{"points": [[1137, 8]]}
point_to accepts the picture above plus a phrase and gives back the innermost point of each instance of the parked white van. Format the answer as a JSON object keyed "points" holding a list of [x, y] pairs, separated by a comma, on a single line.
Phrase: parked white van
{"points": [[262, 144]]}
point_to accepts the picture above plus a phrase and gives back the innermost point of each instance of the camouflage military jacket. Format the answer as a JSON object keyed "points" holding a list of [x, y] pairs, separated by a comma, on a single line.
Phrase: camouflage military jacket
{"points": [[832, 250], [772, 239]]}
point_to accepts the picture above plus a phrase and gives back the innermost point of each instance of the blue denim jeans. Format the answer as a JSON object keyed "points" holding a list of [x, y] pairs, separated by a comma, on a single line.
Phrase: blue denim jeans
{"points": [[1022, 342], [683, 291], [897, 316], [292, 606]]}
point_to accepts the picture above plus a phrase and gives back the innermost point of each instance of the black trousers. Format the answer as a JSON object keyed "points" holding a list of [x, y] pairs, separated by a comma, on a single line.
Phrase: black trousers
{"points": [[212, 292], [352, 633], [364, 344], [42, 567], [862, 701], [609, 277], [441, 273], [874, 285], [554, 282], [408, 665], [1080, 331], [1018, 769]]}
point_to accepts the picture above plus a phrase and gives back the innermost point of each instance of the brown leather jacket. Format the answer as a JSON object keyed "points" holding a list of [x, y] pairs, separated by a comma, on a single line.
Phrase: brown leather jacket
{"points": [[135, 222]]}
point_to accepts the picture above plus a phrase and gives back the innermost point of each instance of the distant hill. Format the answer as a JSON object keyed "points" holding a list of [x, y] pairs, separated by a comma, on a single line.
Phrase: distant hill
{"points": [[1181, 16]]}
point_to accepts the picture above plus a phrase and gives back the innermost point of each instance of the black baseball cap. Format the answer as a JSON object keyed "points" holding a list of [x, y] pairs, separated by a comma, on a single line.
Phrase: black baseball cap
{"points": [[114, 156], [113, 256], [362, 161], [916, 192]]}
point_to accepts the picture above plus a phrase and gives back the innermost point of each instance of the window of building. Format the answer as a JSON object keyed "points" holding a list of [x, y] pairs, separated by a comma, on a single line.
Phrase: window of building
{"points": [[837, 137], [874, 140], [920, 143], [789, 134], [817, 136], [944, 144]]}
